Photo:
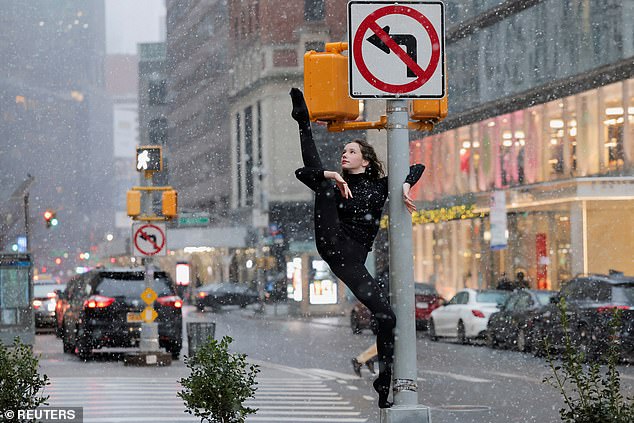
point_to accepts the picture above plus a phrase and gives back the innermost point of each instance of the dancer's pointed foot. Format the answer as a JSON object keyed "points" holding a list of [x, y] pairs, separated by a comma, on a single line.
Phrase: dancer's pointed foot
{"points": [[370, 365], [300, 110], [383, 390], [356, 367]]}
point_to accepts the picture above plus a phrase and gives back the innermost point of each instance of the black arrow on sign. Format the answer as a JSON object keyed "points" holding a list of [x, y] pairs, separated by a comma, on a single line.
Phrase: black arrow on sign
{"points": [[408, 40]]}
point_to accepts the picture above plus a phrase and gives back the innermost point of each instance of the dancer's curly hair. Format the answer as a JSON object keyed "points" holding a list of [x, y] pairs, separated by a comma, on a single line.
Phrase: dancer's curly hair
{"points": [[375, 168]]}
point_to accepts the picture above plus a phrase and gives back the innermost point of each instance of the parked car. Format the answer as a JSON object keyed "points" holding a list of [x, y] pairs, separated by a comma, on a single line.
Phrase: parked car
{"points": [[511, 327], [221, 294], [61, 305], [466, 315], [44, 302], [589, 303], [104, 307], [426, 300]]}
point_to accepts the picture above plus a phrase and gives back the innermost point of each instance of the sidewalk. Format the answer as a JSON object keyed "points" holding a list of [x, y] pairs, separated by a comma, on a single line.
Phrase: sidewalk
{"points": [[281, 312]]}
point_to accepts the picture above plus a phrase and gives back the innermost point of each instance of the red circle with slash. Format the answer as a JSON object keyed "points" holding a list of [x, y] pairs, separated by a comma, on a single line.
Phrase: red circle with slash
{"points": [[141, 234], [369, 23]]}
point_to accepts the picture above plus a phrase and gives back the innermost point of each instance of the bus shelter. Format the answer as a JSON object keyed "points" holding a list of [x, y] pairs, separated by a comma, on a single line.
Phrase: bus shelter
{"points": [[16, 291]]}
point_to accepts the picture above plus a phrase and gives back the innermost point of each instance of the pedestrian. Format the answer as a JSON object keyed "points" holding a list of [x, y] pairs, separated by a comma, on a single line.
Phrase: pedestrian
{"points": [[520, 281], [347, 216], [367, 357], [504, 283]]}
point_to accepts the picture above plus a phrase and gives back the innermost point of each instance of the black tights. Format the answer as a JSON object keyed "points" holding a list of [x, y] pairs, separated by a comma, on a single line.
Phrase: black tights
{"points": [[346, 258]]}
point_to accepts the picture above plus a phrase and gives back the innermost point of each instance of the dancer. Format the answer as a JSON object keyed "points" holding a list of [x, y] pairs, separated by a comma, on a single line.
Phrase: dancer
{"points": [[347, 217]]}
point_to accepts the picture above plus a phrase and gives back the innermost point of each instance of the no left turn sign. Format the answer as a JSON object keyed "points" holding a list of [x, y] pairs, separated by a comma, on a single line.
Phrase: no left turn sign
{"points": [[148, 239], [396, 49]]}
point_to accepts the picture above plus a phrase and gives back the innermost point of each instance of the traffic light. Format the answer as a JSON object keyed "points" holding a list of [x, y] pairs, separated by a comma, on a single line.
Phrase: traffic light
{"points": [[428, 110], [170, 203], [326, 85], [134, 203], [50, 218]]}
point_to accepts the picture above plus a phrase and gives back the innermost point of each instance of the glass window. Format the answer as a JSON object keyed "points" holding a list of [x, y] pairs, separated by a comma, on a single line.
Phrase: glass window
{"points": [[613, 119], [131, 288], [509, 305], [497, 297], [587, 157], [623, 294], [523, 302], [555, 128], [157, 92], [314, 10], [628, 144], [543, 297]]}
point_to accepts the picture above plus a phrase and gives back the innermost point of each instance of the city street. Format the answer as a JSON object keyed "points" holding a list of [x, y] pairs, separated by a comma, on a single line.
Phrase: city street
{"points": [[307, 377]]}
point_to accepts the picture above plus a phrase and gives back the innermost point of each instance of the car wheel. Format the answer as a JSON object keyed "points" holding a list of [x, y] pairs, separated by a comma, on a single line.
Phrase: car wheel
{"points": [[59, 332], [354, 324], [521, 343], [490, 340], [432, 331], [462, 336]]}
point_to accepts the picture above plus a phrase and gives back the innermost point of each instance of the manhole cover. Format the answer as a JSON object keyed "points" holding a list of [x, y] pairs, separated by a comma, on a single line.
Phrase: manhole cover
{"points": [[463, 408]]}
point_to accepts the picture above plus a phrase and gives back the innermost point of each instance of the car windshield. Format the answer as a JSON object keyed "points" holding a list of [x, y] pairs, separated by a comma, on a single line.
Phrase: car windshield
{"points": [[544, 297], [623, 294], [497, 297], [424, 289], [40, 291], [132, 287]]}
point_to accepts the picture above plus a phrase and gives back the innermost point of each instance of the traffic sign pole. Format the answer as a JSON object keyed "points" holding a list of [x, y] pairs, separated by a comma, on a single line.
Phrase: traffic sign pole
{"points": [[405, 387]]}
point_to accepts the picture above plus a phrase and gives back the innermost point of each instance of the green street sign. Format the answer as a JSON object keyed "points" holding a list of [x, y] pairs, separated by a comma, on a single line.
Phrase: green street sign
{"points": [[193, 221]]}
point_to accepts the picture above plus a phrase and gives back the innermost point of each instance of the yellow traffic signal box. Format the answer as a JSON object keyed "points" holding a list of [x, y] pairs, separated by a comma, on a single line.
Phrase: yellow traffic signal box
{"points": [[428, 110], [326, 85], [170, 203], [133, 203]]}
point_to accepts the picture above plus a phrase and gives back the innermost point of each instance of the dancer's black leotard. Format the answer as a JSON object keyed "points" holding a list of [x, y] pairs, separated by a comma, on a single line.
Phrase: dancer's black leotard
{"points": [[344, 232]]}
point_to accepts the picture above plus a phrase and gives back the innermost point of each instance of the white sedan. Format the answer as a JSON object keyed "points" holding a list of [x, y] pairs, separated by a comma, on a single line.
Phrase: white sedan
{"points": [[466, 315]]}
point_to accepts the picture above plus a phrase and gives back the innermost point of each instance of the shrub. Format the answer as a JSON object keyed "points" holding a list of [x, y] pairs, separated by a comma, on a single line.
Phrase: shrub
{"points": [[589, 395], [20, 382], [219, 383]]}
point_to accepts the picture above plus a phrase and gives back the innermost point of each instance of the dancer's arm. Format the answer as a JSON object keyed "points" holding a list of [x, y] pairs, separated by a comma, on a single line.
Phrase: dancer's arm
{"points": [[415, 172]]}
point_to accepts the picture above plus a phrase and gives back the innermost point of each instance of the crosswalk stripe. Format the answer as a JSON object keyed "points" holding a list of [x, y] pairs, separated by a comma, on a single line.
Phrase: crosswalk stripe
{"points": [[135, 400]]}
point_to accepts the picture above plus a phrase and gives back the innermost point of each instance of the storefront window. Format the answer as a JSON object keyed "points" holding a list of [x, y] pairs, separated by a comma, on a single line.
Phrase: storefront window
{"points": [[554, 116], [587, 135], [504, 149], [629, 124], [613, 126], [464, 154], [570, 135]]}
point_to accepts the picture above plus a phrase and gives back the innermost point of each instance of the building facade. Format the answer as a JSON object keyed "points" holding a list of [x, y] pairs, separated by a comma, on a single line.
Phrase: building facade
{"points": [[197, 117], [541, 101], [54, 106]]}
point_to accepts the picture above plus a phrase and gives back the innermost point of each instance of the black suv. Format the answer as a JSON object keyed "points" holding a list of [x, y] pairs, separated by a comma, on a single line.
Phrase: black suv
{"points": [[103, 311], [590, 302]]}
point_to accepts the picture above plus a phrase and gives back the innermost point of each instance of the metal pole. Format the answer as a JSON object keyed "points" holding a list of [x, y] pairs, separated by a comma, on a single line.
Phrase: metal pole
{"points": [[405, 387], [149, 331], [401, 261], [26, 222]]}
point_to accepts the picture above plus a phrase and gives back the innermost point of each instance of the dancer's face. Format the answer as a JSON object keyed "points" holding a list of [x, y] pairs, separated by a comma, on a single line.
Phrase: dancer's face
{"points": [[352, 160]]}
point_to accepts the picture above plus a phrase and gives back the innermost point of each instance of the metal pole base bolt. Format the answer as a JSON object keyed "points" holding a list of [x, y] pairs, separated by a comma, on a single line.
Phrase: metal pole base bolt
{"points": [[406, 414]]}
